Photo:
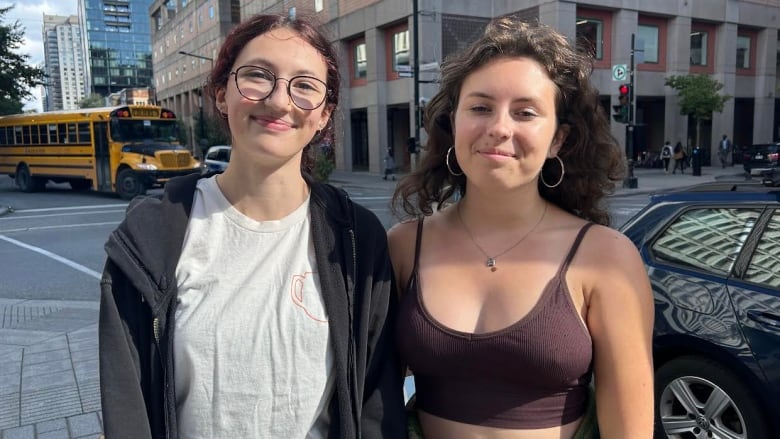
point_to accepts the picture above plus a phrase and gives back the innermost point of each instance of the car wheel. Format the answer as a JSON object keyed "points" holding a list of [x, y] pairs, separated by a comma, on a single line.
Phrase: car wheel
{"points": [[129, 184], [698, 398]]}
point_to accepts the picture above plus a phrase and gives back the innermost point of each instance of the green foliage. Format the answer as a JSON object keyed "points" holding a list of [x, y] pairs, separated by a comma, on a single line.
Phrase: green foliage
{"points": [[93, 101], [10, 106], [698, 95], [323, 166], [16, 76]]}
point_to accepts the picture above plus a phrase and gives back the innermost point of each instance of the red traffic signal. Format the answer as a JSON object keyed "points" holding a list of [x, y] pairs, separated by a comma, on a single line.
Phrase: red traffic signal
{"points": [[624, 89]]}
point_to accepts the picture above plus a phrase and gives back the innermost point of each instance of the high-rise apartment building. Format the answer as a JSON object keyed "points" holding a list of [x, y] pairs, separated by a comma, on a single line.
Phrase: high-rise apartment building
{"points": [[117, 45], [64, 62]]}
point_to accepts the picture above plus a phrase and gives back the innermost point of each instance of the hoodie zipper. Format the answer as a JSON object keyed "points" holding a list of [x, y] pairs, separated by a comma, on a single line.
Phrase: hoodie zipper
{"points": [[352, 366], [156, 332]]}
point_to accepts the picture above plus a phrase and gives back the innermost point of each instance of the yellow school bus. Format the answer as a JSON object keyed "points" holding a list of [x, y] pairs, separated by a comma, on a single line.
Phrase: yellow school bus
{"points": [[126, 149]]}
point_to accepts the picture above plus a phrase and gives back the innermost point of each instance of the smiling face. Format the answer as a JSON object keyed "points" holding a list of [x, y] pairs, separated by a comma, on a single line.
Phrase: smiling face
{"points": [[505, 123], [273, 131]]}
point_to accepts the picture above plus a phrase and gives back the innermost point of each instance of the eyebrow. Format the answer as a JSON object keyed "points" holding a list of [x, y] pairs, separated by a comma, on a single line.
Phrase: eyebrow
{"points": [[479, 94], [260, 62]]}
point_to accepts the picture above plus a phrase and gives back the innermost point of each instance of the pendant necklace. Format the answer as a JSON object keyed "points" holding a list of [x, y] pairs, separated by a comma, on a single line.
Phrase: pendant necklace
{"points": [[490, 262]]}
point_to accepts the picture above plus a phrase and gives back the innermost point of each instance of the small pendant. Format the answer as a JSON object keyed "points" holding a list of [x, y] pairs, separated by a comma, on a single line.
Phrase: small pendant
{"points": [[491, 263]]}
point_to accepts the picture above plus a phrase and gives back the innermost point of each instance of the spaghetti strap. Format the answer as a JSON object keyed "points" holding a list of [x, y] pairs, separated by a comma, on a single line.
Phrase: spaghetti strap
{"points": [[574, 247], [417, 244]]}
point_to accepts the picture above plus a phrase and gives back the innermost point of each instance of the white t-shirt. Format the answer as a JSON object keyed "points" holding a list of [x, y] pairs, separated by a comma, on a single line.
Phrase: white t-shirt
{"points": [[252, 357]]}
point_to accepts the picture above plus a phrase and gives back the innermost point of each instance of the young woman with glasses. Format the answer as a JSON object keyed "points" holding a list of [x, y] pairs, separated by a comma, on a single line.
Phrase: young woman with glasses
{"points": [[256, 302]]}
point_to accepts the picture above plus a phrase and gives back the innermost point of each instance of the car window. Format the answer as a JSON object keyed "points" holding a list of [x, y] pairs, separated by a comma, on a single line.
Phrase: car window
{"points": [[708, 239], [763, 268], [223, 155], [212, 155]]}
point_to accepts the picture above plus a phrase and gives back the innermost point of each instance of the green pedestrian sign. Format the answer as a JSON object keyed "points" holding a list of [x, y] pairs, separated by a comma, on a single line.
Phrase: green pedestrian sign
{"points": [[619, 72]]}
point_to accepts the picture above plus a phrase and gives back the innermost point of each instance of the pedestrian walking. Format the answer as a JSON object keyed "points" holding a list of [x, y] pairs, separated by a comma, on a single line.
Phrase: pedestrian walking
{"points": [[389, 165], [666, 155], [679, 158], [724, 150]]}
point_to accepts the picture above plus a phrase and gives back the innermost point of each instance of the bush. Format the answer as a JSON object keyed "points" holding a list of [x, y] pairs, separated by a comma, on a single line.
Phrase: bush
{"points": [[323, 166]]}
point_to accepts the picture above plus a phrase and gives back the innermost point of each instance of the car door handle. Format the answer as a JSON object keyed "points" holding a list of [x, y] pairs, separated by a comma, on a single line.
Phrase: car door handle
{"points": [[764, 318]]}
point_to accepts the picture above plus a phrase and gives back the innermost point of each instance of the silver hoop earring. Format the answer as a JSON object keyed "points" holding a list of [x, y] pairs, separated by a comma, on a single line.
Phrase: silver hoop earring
{"points": [[557, 183], [447, 162]]}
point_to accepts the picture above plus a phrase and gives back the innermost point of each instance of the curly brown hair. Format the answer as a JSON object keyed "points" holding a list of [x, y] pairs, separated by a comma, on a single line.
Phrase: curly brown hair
{"points": [[591, 155], [308, 30]]}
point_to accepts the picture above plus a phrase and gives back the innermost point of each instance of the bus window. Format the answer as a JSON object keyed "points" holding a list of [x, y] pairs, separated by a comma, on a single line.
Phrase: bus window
{"points": [[138, 130], [26, 134], [34, 134], [85, 136], [72, 133], [52, 133], [18, 135], [62, 133], [3, 139]]}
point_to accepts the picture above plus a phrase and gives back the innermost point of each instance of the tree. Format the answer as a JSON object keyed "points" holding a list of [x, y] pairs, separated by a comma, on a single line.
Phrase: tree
{"points": [[16, 76], [92, 101], [699, 97]]}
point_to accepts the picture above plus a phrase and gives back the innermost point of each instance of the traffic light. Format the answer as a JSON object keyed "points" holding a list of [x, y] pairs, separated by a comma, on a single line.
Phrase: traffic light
{"points": [[620, 111]]}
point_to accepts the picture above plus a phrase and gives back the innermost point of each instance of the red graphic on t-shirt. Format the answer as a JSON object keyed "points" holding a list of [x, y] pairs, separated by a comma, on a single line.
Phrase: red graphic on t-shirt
{"points": [[307, 300]]}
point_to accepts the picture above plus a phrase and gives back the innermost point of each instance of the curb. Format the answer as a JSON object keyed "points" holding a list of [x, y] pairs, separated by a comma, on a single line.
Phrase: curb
{"points": [[5, 210]]}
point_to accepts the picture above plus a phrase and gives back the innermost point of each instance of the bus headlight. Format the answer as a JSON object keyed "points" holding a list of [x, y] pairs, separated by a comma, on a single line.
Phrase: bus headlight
{"points": [[147, 166]]}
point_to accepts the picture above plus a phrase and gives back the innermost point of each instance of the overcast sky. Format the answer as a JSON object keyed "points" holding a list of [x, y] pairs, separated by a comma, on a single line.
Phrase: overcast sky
{"points": [[30, 15]]}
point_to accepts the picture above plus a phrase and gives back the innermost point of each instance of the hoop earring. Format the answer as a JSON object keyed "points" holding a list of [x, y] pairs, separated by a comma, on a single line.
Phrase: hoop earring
{"points": [[447, 162], [557, 183]]}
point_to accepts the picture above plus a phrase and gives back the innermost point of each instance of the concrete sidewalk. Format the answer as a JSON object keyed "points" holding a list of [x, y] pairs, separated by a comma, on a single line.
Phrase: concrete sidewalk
{"points": [[48, 349]]}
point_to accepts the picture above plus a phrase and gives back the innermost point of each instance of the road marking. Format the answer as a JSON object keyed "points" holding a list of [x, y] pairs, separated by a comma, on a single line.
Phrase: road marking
{"points": [[56, 209], [68, 226], [59, 214], [54, 256]]}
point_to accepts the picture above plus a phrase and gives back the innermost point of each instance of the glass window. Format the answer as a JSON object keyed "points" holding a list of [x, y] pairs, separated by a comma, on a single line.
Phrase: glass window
{"points": [[400, 49], [85, 136], [72, 133], [743, 52], [707, 239], [34, 134], [18, 135], [764, 262], [649, 35], [361, 61], [699, 48], [590, 37], [62, 133], [26, 134]]}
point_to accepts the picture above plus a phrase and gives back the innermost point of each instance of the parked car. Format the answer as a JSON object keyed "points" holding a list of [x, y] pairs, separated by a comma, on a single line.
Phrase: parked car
{"points": [[760, 158], [217, 158], [711, 253]]}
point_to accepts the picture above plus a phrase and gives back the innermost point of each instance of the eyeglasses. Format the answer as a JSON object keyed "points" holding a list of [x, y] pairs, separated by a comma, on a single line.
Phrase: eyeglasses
{"points": [[257, 83]]}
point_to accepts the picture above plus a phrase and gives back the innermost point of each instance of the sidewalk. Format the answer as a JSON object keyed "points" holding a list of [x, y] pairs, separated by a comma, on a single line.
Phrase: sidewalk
{"points": [[48, 349], [649, 180]]}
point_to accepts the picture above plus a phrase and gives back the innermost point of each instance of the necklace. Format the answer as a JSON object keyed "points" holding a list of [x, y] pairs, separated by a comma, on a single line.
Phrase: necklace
{"points": [[490, 262]]}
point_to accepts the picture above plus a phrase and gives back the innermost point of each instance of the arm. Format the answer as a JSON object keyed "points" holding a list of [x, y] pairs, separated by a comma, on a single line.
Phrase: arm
{"points": [[620, 319], [383, 414], [124, 410]]}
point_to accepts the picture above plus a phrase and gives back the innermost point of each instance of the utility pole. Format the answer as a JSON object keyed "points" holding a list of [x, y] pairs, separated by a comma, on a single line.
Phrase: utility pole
{"points": [[631, 181]]}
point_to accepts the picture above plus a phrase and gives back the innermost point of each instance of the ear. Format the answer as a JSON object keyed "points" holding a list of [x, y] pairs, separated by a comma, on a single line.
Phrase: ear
{"points": [[327, 111], [560, 137], [219, 100]]}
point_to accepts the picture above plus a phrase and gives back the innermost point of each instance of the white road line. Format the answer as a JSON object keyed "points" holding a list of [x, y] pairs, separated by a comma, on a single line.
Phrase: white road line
{"points": [[12, 218], [67, 226], [56, 209], [56, 257]]}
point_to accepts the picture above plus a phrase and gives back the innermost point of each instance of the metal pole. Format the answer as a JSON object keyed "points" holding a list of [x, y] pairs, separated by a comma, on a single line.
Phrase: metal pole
{"points": [[631, 181], [416, 69]]}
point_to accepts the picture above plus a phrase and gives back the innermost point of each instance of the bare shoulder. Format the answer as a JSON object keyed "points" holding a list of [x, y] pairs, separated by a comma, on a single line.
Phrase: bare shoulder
{"points": [[401, 241], [608, 244]]}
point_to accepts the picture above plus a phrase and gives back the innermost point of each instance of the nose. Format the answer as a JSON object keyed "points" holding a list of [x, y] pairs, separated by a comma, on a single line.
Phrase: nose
{"points": [[500, 128], [279, 97]]}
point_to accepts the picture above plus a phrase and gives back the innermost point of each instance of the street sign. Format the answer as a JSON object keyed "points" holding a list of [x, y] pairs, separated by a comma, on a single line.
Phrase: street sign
{"points": [[619, 72], [403, 68]]}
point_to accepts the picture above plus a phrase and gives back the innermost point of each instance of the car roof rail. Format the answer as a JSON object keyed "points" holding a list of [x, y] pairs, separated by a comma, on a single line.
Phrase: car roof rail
{"points": [[726, 186]]}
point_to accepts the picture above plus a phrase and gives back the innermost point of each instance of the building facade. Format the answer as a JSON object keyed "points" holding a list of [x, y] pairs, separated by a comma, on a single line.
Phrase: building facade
{"points": [[64, 62], [117, 44], [733, 41]]}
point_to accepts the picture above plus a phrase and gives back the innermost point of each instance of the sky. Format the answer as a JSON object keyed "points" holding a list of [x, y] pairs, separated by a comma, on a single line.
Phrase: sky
{"points": [[30, 14]]}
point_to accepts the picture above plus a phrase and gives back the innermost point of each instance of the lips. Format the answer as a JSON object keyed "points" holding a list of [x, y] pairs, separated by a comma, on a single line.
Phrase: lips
{"points": [[272, 122], [498, 152]]}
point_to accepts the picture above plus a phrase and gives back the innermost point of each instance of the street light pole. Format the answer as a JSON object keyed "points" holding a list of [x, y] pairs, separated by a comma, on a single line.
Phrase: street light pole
{"points": [[200, 96]]}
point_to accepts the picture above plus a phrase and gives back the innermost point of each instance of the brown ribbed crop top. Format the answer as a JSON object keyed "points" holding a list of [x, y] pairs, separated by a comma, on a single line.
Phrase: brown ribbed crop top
{"points": [[532, 374]]}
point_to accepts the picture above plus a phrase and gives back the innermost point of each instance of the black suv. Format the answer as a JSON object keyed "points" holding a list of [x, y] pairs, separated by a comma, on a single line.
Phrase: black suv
{"points": [[758, 159], [713, 256]]}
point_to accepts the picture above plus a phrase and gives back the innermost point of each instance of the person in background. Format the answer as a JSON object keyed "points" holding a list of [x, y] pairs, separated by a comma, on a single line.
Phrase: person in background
{"points": [[724, 150], [519, 297], [256, 303], [389, 164], [666, 155], [678, 155]]}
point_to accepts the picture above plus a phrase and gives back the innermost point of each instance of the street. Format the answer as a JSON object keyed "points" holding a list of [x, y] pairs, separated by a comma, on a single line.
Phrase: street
{"points": [[51, 248]]}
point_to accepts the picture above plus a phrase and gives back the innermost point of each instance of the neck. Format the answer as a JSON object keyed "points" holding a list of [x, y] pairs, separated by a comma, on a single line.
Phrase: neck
{"points": [[498, 210], [263, 196]]}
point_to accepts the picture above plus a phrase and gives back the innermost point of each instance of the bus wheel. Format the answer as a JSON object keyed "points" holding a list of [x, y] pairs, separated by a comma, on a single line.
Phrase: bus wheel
{"points": [[80, 185], [26, 182], [129, 185]]}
